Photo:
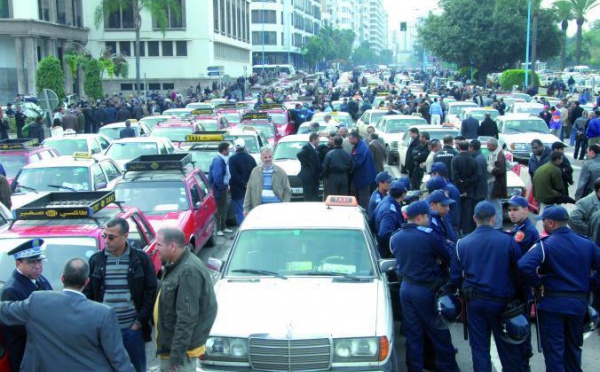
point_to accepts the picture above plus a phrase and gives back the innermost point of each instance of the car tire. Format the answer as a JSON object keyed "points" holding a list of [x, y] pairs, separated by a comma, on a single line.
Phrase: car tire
{"points": [[211, 241]]}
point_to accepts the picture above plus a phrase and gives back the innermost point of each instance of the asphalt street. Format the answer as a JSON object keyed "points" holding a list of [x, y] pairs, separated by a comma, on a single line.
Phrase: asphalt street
{"points": [[590, 359]]}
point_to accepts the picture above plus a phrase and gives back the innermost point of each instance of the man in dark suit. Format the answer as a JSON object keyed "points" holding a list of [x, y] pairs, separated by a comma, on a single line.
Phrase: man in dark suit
{"points": [[469, 127], [128, 131], [310, 168], [26, 278], [71, 332], [488, 127]]}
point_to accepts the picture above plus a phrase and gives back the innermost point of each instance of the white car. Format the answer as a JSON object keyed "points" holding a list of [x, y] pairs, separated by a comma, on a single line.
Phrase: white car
{"points": [[285, 157], [529, 108], [454, 108], [113, 131], [124, 150], [435, 131], [303, 289], [518, 130], [339, 116], [369, 117], [477, 113], [391, 128]]}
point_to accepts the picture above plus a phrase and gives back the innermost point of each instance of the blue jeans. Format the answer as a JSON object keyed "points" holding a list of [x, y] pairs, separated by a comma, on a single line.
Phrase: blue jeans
{"points": [[136, 348], [238, 210]]}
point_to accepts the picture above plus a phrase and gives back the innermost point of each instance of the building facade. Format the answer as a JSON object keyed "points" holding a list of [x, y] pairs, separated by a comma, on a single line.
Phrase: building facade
{"points": [[378, 25], [347, 15], [205, 33], [280, 28], [31, 30]]}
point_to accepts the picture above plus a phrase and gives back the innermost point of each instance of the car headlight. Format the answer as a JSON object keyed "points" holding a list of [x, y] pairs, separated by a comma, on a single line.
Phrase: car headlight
{"points": [[394, 144], [224, 348], [518, 146], [514, 191], [356, 349]]}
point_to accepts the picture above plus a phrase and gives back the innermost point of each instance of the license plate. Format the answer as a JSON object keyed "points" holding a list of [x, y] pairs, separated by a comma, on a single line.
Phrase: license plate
{"points": [[296, 190]]}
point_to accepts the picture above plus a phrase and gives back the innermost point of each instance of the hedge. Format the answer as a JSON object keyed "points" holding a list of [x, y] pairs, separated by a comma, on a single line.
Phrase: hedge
{"points": [[510, 78]]}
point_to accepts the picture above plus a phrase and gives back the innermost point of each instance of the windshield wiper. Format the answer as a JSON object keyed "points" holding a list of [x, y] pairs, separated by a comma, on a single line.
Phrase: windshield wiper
{"points": [[62, 187], [329, 273], [27, 188], [285, 159], [259, 272]]}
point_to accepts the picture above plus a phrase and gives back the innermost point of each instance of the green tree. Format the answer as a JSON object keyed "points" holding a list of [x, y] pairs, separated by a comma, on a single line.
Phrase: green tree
{"points": [[364, 54], [51, 76], [92, 83], [337, 44], [386, 56], [314, 51], [580, 9], [564, 13], [158, 9]]}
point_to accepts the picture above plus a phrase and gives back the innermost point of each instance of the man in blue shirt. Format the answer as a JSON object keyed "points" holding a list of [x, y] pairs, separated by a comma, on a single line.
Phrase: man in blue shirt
{"points": [[435, 112], [593, 130]]}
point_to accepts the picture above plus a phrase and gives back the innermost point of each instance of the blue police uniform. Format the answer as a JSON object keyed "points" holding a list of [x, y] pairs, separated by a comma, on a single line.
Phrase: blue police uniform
{"points": [[454, 194], [388, 218], [485, 261], [562, 263], [376, 198], [416, 250], [18, 288], [442, 226], [525, 235]]}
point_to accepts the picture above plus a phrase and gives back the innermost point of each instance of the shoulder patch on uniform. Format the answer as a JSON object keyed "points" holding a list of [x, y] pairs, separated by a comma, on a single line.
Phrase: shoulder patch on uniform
{"points": [[393, 208], [519, 236], [427, 230]]}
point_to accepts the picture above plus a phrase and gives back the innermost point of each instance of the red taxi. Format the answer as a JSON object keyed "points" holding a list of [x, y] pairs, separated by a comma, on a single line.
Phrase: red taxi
{"points": [[16, 153], [230, 112], [210, 120], [169, 190], [176, 130], [280, 116], [262, 121], [71, 224]]}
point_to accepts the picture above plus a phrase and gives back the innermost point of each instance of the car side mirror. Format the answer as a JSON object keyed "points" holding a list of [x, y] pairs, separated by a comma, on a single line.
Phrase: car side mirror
{"points": [[101, 185], [96, 151], [387, 265], [214, 264]]}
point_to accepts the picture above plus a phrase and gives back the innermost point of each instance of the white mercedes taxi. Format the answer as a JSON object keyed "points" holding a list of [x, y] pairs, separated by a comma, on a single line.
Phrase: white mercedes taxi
{"points": [[303, 289]]}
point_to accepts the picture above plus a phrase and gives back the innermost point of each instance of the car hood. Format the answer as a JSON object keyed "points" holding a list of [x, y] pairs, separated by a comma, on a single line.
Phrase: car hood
{"points": [[170, 219], [304, 306], [528, 137], [290, 166], [20, 199], [389, 137]]}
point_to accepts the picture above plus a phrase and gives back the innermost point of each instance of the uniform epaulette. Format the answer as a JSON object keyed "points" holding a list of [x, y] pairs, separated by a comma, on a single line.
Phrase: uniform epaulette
{"points": [[584, 236], [393, 208], [546, 237], [427, 230]]}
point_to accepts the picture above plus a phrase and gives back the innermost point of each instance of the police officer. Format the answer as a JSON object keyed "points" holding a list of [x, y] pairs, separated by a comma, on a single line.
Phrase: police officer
{"points": [[559, 267], [485, 265], [383, 180], [439, 207], [440, 169], [388, 217], [524, 232], [25, 279], [417, 251]]}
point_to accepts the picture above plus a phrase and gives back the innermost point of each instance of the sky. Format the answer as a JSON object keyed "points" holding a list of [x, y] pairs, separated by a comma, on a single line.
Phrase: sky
{"points": [[401, 10]]}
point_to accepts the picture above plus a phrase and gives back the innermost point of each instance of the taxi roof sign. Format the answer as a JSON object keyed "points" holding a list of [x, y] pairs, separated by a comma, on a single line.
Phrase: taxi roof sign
{"points": [[227, 106], [256, 116], [147, 163], [271, 106], [82, 155], [383, 93], [202, 112], [341, 201], [65, 205], [211, 136], [18, 144]]}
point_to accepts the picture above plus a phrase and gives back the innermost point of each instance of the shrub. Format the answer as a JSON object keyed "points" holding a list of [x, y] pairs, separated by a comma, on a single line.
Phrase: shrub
{"points": [[510, 78], [50, 76]]}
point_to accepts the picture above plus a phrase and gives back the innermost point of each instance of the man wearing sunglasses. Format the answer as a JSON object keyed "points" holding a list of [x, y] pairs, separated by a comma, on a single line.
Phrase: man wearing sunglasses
{"points": [[118, 266]]}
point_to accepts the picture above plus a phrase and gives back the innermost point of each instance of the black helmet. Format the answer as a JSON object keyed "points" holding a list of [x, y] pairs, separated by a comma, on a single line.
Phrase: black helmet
{"points": [[448, 308], [514, 324], [590, 321]]}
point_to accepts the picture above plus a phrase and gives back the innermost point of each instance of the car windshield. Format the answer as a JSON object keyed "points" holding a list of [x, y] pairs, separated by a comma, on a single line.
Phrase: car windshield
{"points": [[53, 179], [151, 122], [209, 124], [301, 251], [203, 158], [439, 134], [58, 251], [376, 115], [525, 126], [480, 114], [266, 129], [231, 117], [12, 163], [67, 146], [181, 114], [288, 150], [167, 196], [455, 109], [278, 118], [173, 133], [401, 125], [131, 150], [250, 141], [114, 133], [531, 110]]}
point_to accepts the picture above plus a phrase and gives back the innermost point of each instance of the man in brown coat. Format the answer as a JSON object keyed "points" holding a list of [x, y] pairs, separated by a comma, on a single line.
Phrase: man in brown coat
{"points": [[497, 189], [5, 192], [377, 152], [70, 121]]}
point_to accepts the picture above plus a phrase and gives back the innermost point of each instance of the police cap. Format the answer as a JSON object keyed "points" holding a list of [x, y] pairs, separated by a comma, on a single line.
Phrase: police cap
{"points": [[485, 209], [30, 250], [518, 201], [417, 208], [438, 196], [436, 183], [383, 177], [439, 167], [397, 188], [554, 213]]}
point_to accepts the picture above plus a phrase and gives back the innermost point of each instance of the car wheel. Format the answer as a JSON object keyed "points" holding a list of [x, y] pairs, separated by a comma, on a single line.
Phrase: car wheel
{"points": [[211, 241]]}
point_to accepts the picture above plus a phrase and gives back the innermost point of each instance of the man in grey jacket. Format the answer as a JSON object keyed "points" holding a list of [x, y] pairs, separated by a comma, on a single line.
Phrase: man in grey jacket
{"points": [[66, 331], [585, 208], [590, 172]]}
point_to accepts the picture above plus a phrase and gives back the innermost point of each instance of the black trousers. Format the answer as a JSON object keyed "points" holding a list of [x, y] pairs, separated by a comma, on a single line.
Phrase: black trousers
{"points": [[337, 184], [580, 148], [311, 190], [467, 224]]}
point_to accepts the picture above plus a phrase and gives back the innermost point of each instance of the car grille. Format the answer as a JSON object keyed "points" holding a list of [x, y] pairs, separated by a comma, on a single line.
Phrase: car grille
{"points": [[295, 181], [290, 355]]}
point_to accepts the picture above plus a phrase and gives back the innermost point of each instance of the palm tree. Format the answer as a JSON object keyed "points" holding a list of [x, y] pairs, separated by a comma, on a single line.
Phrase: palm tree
{"points": [[564, 12], [580, 9], [156, 8]]}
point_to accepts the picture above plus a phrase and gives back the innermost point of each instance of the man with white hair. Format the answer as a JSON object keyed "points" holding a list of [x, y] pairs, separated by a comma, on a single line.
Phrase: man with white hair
{"points": [[268, 183]]}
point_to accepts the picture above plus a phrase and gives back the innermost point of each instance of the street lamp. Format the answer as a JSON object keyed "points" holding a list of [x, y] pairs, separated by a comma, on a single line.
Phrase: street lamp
{"points": [[527, 46]]}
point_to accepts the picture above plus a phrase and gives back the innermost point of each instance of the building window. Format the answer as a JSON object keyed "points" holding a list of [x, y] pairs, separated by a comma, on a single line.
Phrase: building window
{"points": [[44, 10], [228, 52], [142, 49], [110, 46], [181, 48], [167, 48], [153, 50], [61, 12], [154, 86], [174, 20], [228, 10], [127, 86], [120, 19], [266, 38], [141, 86], [168, 86], [125, 48], [222, 15], [5, 9], [264, 16], [77, 13], [282, 38]]}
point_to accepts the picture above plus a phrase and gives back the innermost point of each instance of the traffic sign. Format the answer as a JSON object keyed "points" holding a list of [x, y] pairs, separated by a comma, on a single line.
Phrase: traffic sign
{"points": [[215, 73], [215, 68]]}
